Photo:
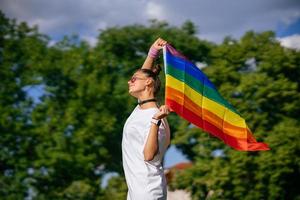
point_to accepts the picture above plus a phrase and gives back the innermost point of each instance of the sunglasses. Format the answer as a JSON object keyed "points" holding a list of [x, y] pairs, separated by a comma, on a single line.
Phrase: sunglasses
{"points": [[134, 78]]}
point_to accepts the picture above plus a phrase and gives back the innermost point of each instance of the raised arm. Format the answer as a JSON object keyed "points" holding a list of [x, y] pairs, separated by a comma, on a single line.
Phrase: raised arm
{"points": [[153, 53]]}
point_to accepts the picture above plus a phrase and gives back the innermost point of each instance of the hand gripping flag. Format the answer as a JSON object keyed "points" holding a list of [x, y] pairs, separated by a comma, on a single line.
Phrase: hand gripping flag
{"points": [[192, 96]]}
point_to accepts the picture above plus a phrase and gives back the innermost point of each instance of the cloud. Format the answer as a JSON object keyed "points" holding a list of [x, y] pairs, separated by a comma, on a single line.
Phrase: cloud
{"points": [[292, 41], [91, 40], [214, 18], [84, 17], [155, 11], [217, 19]]}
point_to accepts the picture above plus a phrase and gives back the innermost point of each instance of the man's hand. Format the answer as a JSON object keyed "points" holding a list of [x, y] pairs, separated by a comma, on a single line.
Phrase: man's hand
{"points": [[159, 44], [163, 112]]}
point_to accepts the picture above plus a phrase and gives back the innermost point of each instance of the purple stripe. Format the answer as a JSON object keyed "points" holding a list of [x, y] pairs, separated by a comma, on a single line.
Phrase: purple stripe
{"points": [[176, 53]]}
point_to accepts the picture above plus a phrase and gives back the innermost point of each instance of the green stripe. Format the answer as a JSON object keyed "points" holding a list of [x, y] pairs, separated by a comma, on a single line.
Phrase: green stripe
{"points": [[199, 87]]}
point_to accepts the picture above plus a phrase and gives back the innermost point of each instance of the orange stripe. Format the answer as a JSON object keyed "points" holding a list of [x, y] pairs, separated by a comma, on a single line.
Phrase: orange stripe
{"points": [[205, 114], [243, 144]]}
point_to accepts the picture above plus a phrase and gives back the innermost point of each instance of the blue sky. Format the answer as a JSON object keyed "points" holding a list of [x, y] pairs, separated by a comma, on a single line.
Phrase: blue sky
{"points": [[214, 19], [285, 30]]}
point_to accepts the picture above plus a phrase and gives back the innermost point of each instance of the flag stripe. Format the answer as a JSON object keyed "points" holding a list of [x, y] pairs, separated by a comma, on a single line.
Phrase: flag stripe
{"points": [[206, 103], [228, 128], [237, 143], [192, 96], [189, 68], [199, 86]]}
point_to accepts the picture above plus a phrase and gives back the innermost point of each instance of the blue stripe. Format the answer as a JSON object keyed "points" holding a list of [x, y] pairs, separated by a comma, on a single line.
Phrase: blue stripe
{"points": [[189, 68]]}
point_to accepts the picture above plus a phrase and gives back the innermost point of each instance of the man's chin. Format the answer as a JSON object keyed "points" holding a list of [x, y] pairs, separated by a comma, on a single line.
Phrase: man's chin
{"points": [[132, 93]]}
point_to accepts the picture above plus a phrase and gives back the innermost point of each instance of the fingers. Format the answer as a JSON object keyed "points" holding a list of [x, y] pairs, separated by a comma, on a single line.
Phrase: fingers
{"points": [[159, 43], [164, 109], [163, 112]]}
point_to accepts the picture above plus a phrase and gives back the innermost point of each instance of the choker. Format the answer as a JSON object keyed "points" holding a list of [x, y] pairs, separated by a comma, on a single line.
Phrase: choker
{"points": [[146, 101]]}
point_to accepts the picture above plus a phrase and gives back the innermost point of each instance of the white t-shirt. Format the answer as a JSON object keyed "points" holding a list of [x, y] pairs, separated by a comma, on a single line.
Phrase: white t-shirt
{"points": [[145, 179]]}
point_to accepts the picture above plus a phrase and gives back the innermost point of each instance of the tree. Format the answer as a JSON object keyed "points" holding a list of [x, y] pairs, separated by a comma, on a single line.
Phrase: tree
{"points": [[21, 46], [257, 76], [60, 145]]}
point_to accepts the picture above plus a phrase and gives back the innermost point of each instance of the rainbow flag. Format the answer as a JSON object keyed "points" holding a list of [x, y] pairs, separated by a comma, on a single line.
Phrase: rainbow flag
{"points": [[192, 96]]}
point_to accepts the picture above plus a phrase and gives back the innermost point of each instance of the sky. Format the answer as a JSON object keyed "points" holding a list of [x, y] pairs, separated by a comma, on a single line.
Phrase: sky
{"points": [[214, 20]]}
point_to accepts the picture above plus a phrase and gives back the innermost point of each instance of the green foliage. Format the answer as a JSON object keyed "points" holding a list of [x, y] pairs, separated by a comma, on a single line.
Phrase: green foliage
{"points": [[257, 76], [21, 46], [116, 189], [61, 145]]}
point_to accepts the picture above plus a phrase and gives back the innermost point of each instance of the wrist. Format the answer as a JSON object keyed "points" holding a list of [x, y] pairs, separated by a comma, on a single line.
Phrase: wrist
{"points": [[155, 121], [153, 52], [155, 117]]}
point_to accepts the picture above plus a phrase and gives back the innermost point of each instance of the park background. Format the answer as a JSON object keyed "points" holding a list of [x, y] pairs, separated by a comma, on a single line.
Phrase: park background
{"points": [[64, 71]]}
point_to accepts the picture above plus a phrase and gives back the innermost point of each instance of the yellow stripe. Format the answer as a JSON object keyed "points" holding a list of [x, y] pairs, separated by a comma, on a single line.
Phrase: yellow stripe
{"points": [[202, 101], [224, 126]]}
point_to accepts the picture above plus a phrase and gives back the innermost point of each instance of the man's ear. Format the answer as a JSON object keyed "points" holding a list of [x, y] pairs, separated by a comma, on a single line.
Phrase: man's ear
{"points": [[149, 81]]}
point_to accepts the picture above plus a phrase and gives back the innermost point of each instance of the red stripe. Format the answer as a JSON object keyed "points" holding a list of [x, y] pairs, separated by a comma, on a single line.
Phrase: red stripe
{"points": [[185, 101], [237, 143]]}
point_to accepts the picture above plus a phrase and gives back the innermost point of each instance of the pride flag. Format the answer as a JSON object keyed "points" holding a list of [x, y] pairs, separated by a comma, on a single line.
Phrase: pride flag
{"points": [[191, 95]]}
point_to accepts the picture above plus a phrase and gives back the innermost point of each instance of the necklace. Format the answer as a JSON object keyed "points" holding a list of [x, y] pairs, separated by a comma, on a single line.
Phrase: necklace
{"points": [[146, 101]]}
